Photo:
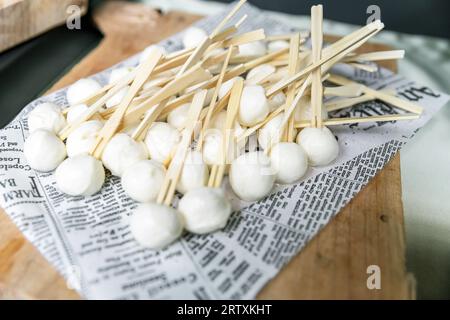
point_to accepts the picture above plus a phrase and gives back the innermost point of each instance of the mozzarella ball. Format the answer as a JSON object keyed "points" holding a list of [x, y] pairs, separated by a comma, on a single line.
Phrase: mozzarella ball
{"points": [[119, 73], [289, 162], [254, 106], [319, 144], [155, 226], [251, 176], [46, 116], [82, 175], [268, 133], [129, 130], [193, 36], [177, 117], [194, 174], [122, 152], [277, 45], [43, 150], [276, 101], [303, 111], [226, 87], [262, 68], [81, 90], [149, 50], [143, 180], [212, 147], [204, 210], [161, 141], [117, 98], [75, 112], [83, 138], [253, 49]]}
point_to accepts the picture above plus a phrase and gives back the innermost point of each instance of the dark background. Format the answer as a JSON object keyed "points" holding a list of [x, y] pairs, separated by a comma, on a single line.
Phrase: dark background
{"points": [[27, 70]]}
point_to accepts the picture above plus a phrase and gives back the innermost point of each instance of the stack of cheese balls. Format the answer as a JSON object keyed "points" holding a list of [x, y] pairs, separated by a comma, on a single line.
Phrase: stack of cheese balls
{"points": [[142, 164]]}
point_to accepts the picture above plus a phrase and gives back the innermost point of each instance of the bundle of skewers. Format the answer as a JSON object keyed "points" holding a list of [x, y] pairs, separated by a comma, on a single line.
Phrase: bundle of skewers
{"points": [[182, 121]]}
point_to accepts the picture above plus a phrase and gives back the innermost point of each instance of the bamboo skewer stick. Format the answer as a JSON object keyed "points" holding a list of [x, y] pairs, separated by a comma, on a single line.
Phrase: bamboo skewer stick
{"points": [[111, 126], [292, 69], [399, 103], [345, 103], [214, 99], [350, 90], [227, 17], [365, 67], [352, 120], [376, 56], [316, 87], [150, 117], [218, 170], [167, 191]]}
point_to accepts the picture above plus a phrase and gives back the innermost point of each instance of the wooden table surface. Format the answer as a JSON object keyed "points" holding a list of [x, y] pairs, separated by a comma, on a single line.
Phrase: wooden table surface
{"points": [[368, 231]]}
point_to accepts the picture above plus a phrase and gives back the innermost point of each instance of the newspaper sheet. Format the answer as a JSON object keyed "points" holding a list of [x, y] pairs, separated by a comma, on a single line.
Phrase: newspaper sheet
{"points": [[87, 239]]}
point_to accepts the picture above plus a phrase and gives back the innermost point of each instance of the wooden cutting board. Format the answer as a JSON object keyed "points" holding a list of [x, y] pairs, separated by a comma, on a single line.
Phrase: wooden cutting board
{"points": [[21, 20], [369, 231]]}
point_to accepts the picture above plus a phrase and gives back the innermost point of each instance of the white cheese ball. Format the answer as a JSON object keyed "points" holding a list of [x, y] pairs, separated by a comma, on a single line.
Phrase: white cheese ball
{"points": [[46, 116], [149, 50], [205, 210], [262, 68], [252, 49], [82, 175], [83, 138], [303, 111], [193, 36], [289, 162], [194, 174], [117, 98], [276, 101], [251, 176], [269, 131], [254, 106], [226, 87], [177, 117], [277, 45], [212, 147], [319, 144], [43, 150], [155, 226], [122, 152], [119, 73], [143, 180], [81, 90], [161, 141], [75, 112]]}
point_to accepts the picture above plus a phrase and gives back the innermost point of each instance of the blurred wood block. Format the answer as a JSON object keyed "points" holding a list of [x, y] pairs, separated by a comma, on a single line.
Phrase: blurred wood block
{"points": [[21, 20], [368, 231]]}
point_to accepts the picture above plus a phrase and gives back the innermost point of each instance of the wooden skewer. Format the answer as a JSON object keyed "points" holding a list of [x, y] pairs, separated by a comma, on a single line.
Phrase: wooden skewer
{"points": [[334, 52], [376, 56], [292, 69], [345, 103], [167, 191], [350, 90], [383, 96], [352, 120], [244, 38], [111, 126], [316, 87], [228, 17], [214, 99], [365, 67], [218, 171]]}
